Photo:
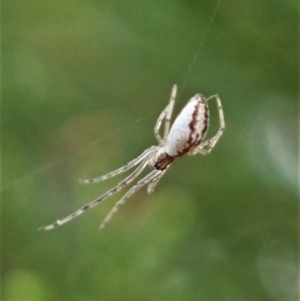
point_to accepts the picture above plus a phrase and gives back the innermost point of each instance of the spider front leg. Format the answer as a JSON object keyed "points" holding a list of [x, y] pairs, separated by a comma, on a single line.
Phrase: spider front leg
{"points": [[206, 147], [165, 115], [144, 181], [122, 169], [153, 183], [103, 197]]}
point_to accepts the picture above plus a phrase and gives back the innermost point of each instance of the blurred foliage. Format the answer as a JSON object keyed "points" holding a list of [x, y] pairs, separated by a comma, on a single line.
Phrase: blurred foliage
{"points": [[83, 83]]}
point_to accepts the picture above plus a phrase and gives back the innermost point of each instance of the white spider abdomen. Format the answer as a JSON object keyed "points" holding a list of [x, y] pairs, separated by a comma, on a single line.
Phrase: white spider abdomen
{"points": [[189, 128], [187, 132]]}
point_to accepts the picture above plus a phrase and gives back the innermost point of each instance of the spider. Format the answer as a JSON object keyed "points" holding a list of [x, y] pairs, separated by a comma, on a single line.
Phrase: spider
{"points": [[184, 138]]}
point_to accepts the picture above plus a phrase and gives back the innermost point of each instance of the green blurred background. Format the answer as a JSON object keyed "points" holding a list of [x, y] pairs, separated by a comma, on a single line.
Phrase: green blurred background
{"points": [[83, 85]]}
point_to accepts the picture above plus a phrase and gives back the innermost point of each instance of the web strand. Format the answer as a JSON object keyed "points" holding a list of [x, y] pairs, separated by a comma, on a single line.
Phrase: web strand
{"points": [[152, 113], [200, 45]]}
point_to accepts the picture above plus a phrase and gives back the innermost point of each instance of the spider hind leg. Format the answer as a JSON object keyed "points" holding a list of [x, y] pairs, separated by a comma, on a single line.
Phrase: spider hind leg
{"points": [[206, 147]]}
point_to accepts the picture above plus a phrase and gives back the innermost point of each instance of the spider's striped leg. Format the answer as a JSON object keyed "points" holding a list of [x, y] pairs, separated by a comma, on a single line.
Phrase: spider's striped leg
{"points": [[124, 168], [92, 204], [154, 182], [165, 114], [207, 146], [144, 181], [170, 111]]}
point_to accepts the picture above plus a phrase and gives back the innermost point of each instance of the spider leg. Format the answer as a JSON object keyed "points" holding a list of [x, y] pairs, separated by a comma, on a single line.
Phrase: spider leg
{"points": [[207, 146], [154, 182], [144, 181], [165, 114], [124, 168], [170, 111], [92, 204]]}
